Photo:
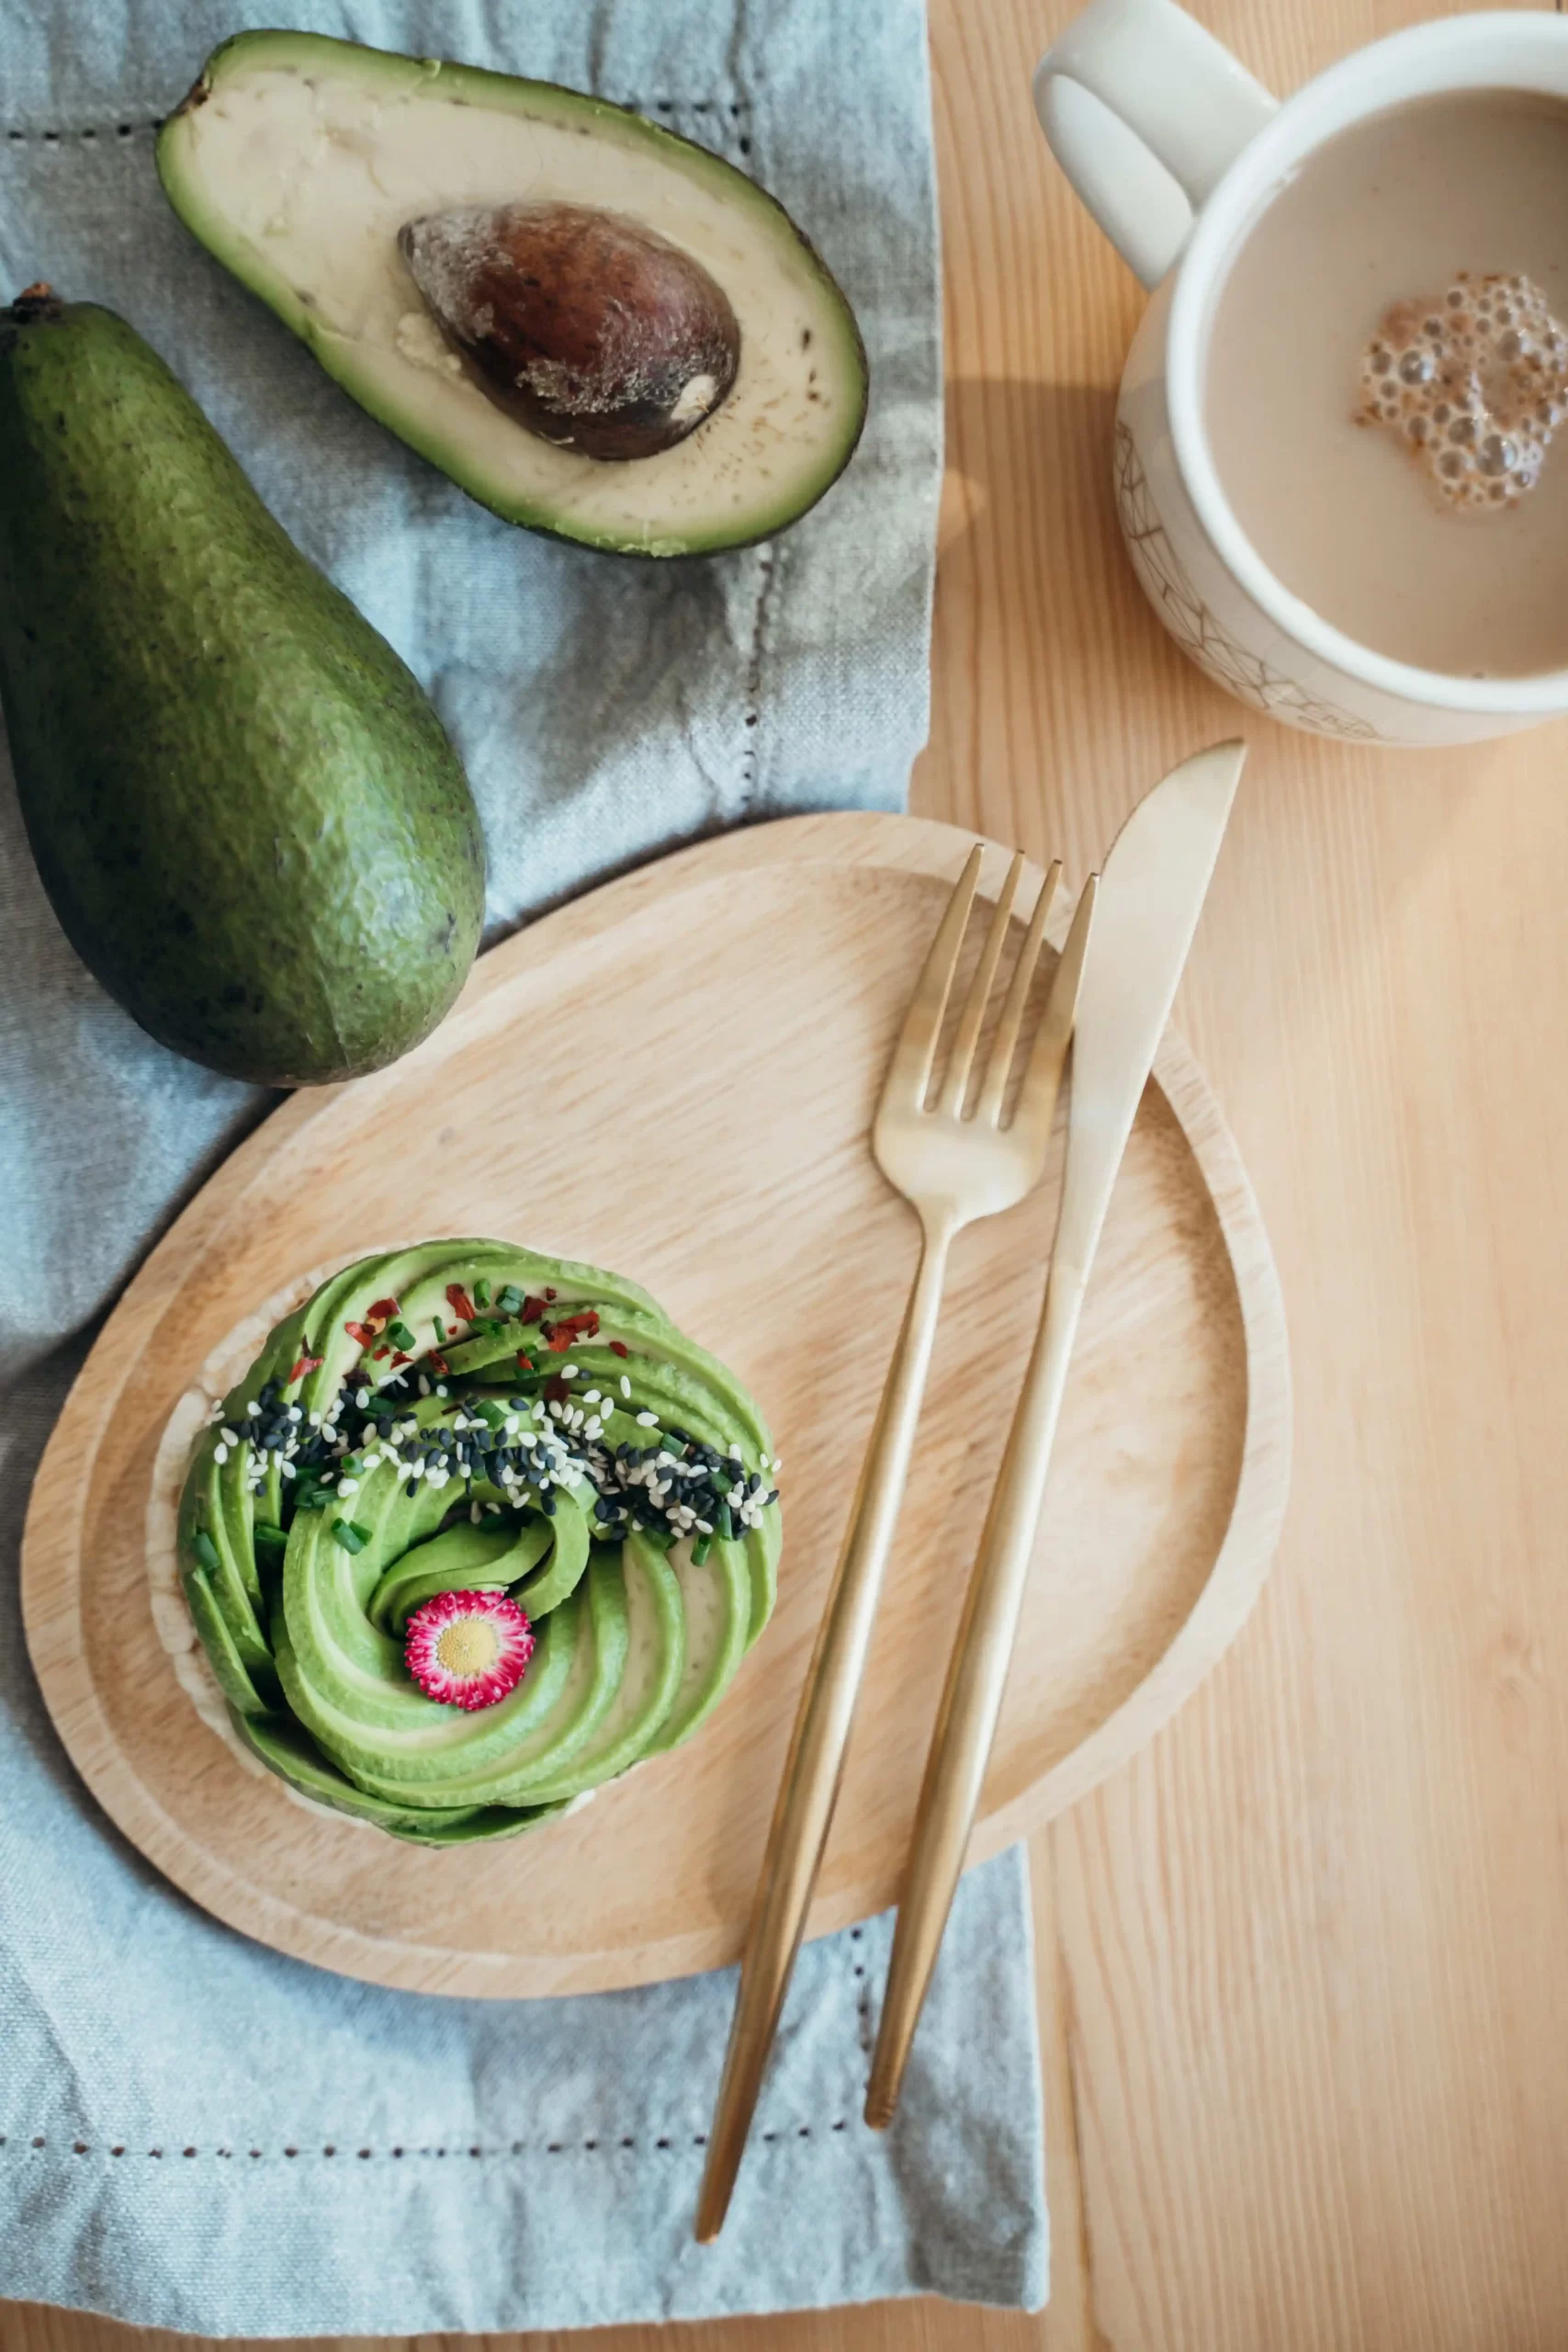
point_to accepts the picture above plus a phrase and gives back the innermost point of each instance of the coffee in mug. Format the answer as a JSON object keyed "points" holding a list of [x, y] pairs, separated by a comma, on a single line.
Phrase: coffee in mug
{"points": [[1387, 383], [1342, 445]]}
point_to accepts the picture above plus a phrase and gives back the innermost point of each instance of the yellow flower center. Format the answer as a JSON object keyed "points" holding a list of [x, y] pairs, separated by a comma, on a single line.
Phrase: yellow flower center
{"points": [[467, 1645]]}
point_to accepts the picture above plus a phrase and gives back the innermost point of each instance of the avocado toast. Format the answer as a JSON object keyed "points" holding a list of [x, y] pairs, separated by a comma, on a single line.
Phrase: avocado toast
{"points": [[478, 1530]]}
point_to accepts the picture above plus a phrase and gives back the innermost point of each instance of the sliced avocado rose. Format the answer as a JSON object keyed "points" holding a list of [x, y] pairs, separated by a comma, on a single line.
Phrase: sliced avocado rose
{"points": [[597, 328], [478, 1530]]}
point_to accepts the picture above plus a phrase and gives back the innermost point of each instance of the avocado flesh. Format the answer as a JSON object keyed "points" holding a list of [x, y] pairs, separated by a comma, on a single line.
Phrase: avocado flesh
{"points": [[636, 1640], [242, 806], [296, 159]]}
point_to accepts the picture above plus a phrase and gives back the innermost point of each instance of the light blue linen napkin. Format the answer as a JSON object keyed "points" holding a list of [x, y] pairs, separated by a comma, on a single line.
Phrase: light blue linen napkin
{"points": [[194, 2133]]}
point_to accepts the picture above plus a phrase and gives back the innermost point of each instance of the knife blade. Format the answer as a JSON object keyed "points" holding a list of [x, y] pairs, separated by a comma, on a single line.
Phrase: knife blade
{"points": [[1151, 891]]}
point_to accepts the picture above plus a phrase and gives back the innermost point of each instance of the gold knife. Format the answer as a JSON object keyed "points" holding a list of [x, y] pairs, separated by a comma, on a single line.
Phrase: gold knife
{"points": [[1151, 893]]}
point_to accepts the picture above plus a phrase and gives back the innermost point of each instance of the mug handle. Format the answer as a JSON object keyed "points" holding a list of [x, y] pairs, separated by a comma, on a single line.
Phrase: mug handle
{"points": [[1146, 112]]}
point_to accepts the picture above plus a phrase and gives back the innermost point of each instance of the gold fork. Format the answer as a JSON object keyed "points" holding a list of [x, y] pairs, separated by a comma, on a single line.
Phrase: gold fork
{"points": [[951, 1169]]}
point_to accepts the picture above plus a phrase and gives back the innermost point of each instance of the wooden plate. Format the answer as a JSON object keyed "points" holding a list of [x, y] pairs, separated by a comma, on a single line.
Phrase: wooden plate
{"points": [[675, 1077]]}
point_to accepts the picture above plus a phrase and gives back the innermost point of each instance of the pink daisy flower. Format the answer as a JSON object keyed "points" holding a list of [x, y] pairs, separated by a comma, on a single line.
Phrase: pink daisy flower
{"points": [[469, 1649]]}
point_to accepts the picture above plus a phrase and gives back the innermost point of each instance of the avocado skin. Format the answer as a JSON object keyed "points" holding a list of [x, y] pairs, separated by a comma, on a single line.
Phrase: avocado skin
{"points": [[244, 808]]}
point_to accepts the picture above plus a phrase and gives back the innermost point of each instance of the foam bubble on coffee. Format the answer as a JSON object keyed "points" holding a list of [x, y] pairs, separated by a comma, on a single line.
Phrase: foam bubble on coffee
{"points": [[1475, 383]]}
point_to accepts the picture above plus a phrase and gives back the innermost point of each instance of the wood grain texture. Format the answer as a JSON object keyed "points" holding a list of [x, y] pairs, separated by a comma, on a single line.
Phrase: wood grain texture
{"points": [[1303, 2002], [1175, 1441]]}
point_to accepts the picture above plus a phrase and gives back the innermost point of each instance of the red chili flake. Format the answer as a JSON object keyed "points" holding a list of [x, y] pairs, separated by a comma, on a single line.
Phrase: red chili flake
{"points": [[437, 1362], [360, 1333], [305, 1364], [460, 1303], [382, 1311], [619, 1348], [377, 1353], [571, 1327], [398, 1357], [549, 1293], [556, 1390], [526, 1362], [533, 1310]]}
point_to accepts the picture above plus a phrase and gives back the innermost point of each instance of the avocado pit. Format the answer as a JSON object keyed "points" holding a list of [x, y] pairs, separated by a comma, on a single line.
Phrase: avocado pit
{"points": [[593, 331]]}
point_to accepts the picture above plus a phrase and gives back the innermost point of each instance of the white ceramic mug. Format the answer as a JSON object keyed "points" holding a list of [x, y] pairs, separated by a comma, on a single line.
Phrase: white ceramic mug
{"points": [[1175, 151]]}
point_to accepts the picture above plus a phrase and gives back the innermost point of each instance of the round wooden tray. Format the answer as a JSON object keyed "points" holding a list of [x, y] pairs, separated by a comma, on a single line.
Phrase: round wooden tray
{"points": [[675, 1077]]}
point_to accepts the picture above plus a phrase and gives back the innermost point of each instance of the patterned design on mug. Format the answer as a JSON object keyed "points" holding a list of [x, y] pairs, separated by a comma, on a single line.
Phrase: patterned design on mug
{"points": [[1195, 627]]}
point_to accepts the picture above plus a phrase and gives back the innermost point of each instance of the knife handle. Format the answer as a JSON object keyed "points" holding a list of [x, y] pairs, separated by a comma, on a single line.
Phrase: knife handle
{"points": [[972, 1697]]}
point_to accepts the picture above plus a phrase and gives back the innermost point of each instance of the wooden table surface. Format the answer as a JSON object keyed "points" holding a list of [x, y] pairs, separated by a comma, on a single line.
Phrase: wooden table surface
{"points": [[1302, 1966]]}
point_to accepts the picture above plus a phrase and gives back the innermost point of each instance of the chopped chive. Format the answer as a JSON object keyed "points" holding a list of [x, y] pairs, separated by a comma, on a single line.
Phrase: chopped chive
{"points": [[510, 1300], [701, 1549], [481, 1292], [205, 1550], [349, 1535], [724, 1523], [400, 1335], [268, 1538], [440, 1330]]}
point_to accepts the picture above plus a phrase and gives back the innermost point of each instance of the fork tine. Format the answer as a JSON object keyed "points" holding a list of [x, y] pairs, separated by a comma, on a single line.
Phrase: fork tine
{"points": [[973, 1017], [909, 1070], [1037, 1096], [989, 1107]]}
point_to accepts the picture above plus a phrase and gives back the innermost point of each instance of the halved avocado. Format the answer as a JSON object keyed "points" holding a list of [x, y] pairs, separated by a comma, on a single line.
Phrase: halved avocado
{"points": [[297, 160]]}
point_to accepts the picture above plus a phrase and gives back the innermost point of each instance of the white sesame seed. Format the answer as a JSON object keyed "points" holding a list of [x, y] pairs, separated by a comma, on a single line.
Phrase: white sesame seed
{"points": [[424, 1386], [255, 1404], [440, 1389], [362, 1397], [647, 1420], [705, 1526], [475, 1513], [348, 1486], [220, 1454], [287, 1468], [626, 1386], [591, 1396], [568, 1372]]}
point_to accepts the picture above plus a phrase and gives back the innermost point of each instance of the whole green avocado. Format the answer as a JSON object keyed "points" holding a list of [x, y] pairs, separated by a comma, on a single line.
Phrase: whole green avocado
{"points": [[244, 809]]}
